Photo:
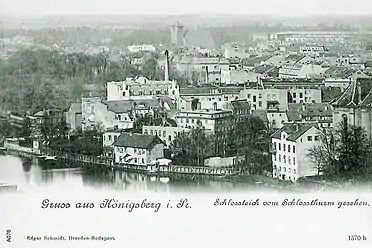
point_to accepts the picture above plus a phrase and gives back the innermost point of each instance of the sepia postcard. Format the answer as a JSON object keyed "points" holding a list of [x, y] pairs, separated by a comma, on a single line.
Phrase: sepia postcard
{"points": [[185, 123]]}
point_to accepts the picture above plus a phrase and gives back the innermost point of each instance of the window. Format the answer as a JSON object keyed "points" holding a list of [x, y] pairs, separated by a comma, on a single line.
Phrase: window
{"points": [[274, 96], [274, 157], [279, 168], [279, 158], [294, 161], [316, 138], [289, 148], [289, 161], [284, 159], [143, 161], [289, 170], [151, 132], [294, 95], [169, 138], [309, 138], [260, 104], [294, 171], [268, 96], [156, 132], [260, 95], [294, 149], [164, 134], [284, 169], [109, 137], [280, 146], [301, 95], [283, 147], [254, 99]]}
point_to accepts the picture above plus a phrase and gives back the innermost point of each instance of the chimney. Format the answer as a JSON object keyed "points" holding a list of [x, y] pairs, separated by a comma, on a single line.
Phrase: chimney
{"points": [[206, 75], [166, 65]]}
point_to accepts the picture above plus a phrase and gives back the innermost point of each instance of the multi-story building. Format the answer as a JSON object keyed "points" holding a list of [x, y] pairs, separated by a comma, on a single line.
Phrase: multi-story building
{"points": [[141, 48], [74, 116], [320, 36], [141, 88], [236, 50], [236, 77], [266, 99], [166, 133], [302, 71], [209, 67], [276, 119], [314, 113], [291, 144], [210, 120], [137, 149], [312, 49], [212, 97]]}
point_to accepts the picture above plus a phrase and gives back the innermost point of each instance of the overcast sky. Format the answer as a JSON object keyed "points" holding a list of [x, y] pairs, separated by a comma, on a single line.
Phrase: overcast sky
{"points": [[273, 7]]}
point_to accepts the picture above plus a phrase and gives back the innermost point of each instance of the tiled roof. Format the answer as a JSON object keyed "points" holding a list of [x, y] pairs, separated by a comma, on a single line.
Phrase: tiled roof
{"points": [[125, 106], [297, 111], [118, 106], [350, 97], [367, 102], [135, 140], [329, 94], [294, 130], [295, 57]]}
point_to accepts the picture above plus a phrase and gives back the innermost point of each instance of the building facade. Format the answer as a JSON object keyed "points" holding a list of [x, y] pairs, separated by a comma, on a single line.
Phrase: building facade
{"points": [[137, 149], [291, 144]]}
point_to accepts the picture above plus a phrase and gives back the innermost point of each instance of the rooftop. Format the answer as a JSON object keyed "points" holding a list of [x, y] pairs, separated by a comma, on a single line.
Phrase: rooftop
{"points": [[135, 140], [294, 130]]}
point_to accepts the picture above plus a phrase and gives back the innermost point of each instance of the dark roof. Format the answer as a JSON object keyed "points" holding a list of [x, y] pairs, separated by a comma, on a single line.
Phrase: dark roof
{"points": [[118, 106], [338, 72], [136, 140], [298, 111], [262, 114], [240, 104], [125, 106], [294, 130], [350, 97], [262, 69], [295, 57], [254, 61], [330, 93]]}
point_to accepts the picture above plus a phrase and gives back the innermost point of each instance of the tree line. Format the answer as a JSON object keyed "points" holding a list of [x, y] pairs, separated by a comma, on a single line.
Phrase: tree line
{"points": [[344, 153]]}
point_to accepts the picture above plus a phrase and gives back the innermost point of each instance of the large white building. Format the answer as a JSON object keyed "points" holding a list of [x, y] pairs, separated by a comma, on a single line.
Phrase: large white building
{"points": [[141, 88], [209, 67], [291, 144], [198, 98]]}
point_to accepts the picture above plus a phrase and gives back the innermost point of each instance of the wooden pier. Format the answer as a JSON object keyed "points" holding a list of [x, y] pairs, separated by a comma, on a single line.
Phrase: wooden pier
{"points": [[92, 162]]}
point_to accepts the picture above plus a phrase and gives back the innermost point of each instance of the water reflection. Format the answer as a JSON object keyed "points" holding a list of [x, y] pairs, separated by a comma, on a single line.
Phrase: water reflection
{"points": [[29, 174]]}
